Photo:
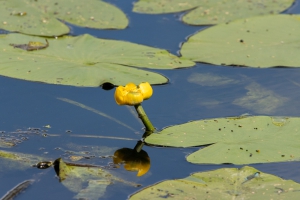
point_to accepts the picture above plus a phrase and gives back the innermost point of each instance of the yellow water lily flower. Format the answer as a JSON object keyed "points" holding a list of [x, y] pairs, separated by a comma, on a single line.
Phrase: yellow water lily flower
{"points": [[133, 94]]}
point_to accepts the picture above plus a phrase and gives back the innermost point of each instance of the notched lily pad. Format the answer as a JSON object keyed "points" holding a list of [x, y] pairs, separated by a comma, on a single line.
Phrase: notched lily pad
{"points": [[265, 41], [226, 183], [76, 177], [205, 12], [237, 140], [43, 17], [85, 61]]}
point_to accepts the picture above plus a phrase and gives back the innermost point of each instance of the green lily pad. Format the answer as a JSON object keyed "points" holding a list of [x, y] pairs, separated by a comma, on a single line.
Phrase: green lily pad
{"points": [[226, 183], [76, 177], [43, 17], [205, 12], [237, 140], [264, 41], [84, 61]]}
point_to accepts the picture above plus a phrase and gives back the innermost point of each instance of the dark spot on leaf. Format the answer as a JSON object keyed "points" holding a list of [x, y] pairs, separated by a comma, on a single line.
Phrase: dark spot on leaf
{"points": [[282, 155], [250, 155], [241, 41], [257, 151], [241, 148]]}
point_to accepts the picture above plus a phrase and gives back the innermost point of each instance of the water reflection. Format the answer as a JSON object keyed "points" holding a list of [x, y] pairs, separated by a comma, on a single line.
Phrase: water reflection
{"points": [[134, 159]]}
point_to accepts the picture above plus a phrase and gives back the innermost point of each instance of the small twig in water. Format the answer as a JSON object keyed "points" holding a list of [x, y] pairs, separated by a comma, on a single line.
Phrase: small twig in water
{"points": [[16, 190]]}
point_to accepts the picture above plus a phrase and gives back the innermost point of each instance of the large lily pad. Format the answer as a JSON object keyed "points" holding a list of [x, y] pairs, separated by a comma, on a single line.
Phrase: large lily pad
{"points": [[84, 61], [265, 41], [43, 17], [212, 11], [226, 183], [76, 177], [237, 140]]}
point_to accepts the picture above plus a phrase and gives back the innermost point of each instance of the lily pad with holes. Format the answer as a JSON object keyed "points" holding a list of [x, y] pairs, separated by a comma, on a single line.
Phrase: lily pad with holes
{"points": [[226, 183], [265, 41], [237, 140], [84, 61], [88, 182], [203, 12], [45, 17]]}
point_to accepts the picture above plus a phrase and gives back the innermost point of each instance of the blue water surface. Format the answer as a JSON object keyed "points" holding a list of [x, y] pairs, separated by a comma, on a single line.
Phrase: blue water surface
{"points": [[29, 104]]}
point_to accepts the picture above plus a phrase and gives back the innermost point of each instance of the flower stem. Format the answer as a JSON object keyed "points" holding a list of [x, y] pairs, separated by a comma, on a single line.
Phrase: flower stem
{"points": [[142, 115], [138, 147]]}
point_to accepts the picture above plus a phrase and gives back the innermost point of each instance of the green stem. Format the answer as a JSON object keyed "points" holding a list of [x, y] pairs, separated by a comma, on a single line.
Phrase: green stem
{"points": [[142, 115], [138, 147]]}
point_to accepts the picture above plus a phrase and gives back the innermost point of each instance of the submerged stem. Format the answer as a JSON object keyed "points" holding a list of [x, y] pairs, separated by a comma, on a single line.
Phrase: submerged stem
{"points": [[142, 115]]}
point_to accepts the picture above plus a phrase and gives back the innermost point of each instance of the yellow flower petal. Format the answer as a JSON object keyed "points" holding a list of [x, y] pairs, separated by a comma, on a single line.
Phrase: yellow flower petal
{"points": [[119, 95], [132, 94], [130, 87], [146, 90], [133, 98]]}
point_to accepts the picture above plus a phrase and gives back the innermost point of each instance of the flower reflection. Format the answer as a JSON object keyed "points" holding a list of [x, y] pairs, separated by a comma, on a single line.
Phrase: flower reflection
{"points": [[133, 160]]}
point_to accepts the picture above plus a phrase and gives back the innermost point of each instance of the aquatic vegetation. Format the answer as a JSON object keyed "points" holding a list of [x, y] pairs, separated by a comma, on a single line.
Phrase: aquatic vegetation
{"points": [[236, 140], [201, 12], [226, 183], [84, 61], [45, 17], [259, 42], [133, 94]]}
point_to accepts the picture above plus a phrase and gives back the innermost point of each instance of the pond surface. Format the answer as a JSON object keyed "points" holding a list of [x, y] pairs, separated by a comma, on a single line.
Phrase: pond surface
{"points": [[29, 104]]}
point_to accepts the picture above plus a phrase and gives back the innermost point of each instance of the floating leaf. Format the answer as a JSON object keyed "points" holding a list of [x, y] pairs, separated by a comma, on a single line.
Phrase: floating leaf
{"points": [[226, 183], [75, 177], [265, 41], [237, 140], [212, 11], [43, 17], [84, 61]]}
